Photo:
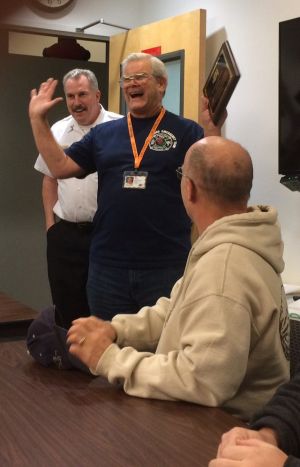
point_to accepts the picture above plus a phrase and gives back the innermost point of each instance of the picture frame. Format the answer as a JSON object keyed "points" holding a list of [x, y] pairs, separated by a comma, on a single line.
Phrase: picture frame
{"points": [[221, 82]]}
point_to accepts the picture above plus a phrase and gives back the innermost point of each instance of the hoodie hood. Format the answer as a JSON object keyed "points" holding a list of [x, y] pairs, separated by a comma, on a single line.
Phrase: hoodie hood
{"points": [[257, 230]]}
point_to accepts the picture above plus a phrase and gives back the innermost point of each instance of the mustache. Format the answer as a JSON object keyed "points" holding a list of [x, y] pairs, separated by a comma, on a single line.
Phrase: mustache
{"points": [[79, 107]]}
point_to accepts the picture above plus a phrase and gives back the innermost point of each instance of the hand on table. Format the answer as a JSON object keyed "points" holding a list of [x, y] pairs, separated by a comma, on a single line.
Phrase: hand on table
{"points": [[241, 447], [250, 453], [237, 434], [89, 338]]}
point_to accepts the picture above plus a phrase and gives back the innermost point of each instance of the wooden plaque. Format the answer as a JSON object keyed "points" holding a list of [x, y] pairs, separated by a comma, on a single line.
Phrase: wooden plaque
{"points": [[221, 82]]}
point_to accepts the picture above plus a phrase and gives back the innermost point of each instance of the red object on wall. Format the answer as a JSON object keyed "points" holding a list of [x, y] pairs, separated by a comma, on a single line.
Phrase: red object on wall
{"points": [[153, 50]]}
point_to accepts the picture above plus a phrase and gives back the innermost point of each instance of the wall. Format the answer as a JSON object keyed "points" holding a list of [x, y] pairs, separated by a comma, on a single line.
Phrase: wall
{"points": [[82, 12], [23, 268], [252, 29]]}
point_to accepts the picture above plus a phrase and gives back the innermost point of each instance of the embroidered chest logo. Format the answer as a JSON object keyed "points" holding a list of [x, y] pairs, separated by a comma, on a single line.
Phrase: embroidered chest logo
{"points": [[163, 140]]}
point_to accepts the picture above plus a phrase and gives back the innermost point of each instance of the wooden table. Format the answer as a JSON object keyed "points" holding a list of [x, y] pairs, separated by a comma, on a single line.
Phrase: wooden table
{"points": [[14, 317], [59, 418]]}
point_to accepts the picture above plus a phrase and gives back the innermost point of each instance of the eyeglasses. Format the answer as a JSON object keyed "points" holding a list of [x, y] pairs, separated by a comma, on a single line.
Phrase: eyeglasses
{"points": [[140, 78], [180, 174]]}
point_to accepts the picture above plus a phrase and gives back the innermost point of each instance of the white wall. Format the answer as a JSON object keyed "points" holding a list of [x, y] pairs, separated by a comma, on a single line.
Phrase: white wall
{"points": [[83, 12], [252, 29]]}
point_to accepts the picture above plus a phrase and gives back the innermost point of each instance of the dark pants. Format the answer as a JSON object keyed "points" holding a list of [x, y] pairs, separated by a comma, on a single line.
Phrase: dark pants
{"points": [[68, 246], [114, 290]]}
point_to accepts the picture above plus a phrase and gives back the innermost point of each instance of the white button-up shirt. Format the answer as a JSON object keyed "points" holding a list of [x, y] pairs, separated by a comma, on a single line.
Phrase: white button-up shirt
{"points": [[77, 198]]}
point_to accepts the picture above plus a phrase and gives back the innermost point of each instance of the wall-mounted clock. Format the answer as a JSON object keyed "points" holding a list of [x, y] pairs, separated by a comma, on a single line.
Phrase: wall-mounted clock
{"points": [[50, 5]]}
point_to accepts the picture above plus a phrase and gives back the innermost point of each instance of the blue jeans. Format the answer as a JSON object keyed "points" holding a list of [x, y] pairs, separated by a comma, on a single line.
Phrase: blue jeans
{"points": [[112, 291]]}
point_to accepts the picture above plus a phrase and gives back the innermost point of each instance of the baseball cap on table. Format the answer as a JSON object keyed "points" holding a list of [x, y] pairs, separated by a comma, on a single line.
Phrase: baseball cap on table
{"points": [[47, 343]]}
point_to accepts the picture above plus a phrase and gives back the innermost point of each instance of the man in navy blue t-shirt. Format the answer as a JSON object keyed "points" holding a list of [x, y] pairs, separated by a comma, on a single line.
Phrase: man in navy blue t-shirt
{"points": [[141, 235]]}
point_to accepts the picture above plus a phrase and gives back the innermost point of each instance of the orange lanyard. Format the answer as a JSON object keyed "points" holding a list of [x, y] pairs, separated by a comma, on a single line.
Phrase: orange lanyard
{"points": [[138, 157]]}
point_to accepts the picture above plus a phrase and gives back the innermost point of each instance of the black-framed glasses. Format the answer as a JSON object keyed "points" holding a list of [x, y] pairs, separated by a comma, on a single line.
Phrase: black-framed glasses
{"points": [[140, 78]]}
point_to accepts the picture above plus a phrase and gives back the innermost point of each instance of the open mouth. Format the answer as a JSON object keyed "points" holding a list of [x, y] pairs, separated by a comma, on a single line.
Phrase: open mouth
{"points": [[135, 94]]}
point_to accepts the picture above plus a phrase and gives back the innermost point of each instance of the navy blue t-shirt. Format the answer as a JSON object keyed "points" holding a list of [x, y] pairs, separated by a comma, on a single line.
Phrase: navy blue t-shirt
{"points": [[138, 228]]}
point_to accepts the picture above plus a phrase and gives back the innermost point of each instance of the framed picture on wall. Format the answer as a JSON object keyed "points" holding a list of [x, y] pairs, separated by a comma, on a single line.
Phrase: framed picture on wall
{"points": [[221, 82]]}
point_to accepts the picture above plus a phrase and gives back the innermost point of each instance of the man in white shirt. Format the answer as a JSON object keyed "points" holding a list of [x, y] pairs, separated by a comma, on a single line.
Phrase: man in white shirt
{"points": [[70, 204]]}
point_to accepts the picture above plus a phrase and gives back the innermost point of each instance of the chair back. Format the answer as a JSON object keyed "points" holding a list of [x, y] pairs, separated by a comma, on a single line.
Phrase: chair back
{"points": [[294, 342]]}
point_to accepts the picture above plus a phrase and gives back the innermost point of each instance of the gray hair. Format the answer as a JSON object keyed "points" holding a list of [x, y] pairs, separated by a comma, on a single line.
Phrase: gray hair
{"points": [[78, 72], [158, 67]]}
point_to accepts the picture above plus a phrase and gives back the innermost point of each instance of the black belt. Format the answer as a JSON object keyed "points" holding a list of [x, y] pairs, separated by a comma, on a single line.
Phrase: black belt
{"points": [[79, 225]]}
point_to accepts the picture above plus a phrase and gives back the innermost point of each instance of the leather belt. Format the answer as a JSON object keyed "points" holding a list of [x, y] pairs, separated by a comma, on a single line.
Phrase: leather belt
{"points": [[79, 225]]}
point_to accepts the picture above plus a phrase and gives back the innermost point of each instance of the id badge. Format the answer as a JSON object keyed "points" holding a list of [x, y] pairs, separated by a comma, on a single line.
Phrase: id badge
{"points": [[136, 180]]}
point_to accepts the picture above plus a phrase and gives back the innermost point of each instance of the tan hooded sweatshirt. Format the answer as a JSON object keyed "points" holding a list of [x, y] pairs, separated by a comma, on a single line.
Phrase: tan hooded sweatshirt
{"points": [[222, 337]]}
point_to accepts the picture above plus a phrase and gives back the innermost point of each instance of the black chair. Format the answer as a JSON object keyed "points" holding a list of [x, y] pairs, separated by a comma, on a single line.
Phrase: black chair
{"points": [[294, 343]]}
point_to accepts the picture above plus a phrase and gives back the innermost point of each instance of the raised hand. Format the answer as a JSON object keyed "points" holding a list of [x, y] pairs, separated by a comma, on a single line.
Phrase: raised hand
{"points": [[42, 100], [210, 129]]}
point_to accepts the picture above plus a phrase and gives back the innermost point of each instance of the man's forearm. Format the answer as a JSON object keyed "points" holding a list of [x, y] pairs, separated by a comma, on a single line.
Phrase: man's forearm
{"points": [[50, 196]]}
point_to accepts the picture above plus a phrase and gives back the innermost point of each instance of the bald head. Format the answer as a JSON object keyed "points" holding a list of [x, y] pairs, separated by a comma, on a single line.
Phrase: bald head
{"points": [[221, 168]]}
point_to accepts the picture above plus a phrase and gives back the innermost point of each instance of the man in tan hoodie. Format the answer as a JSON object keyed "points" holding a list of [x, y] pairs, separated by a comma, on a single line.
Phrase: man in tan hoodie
{"points": [[221, 339]]}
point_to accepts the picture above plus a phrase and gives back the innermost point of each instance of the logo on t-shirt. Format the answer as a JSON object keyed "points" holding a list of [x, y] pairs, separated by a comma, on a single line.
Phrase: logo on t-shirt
{"points": [[163, 140]]}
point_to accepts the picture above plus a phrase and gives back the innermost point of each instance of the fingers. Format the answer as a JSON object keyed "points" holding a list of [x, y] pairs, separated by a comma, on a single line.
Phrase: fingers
{"points": [[250, 452], [236, 452], [235, 436], [204, 103], [43, 87], [51, 82], [230, 437], [246, 449], [76, 339], [224, 463], [87, 340], [46, 89], [89, 323], [251, 442], [223, 118], [82, 327], [42, 100], [76, 332]]}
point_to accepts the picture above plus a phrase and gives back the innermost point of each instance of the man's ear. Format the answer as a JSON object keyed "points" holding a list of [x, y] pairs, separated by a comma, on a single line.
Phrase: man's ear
{"points": [[191, 190], [163, 82]]}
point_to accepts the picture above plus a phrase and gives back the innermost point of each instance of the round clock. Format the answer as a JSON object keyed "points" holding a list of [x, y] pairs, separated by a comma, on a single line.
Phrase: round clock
{"points": [[51, 5]]}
